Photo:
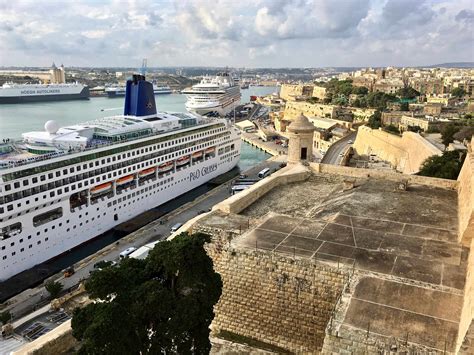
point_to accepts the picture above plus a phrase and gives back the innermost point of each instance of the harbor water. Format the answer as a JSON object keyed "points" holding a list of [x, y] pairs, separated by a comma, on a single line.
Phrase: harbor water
{"points": [[19, 118], [16, 119]]}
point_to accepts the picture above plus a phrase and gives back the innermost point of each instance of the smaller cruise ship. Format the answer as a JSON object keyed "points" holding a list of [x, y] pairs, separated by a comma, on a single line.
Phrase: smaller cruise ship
{"points": [[219, 94], [120, 90]]}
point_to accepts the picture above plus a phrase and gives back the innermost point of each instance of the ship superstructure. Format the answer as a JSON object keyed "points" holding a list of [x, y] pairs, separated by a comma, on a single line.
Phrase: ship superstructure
{"points": [[64, 186], [120, 90], [219, 94]]}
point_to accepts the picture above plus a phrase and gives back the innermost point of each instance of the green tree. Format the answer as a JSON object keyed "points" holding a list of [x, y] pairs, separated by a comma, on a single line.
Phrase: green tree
{"points": [[379, 100], [375, 121], [392, 129], [360, 90], [446, 166], [448, 132], [163, 304], [54, 288], [404, 106], [458, 92], [407, 93], [5, 317]]}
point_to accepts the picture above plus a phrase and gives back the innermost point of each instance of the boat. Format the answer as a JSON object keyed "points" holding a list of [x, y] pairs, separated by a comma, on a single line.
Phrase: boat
{"points": [[182, 161], [146, 172], [124, 180], [213, 95], [197, 155], [101, 188], [119, 91], [165, 167], [50, 180], [58, 90]]}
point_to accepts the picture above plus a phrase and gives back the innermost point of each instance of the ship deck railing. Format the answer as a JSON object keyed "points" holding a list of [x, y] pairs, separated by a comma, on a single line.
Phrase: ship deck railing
{"points": [[7, 161]]}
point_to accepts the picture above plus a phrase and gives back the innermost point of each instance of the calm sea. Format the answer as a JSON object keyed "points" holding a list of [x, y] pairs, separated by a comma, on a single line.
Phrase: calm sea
{"points": [[19, 118]]}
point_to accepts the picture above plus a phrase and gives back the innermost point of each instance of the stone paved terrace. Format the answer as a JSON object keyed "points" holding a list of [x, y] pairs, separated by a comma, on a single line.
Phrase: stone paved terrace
{"points": [[402, 244]]}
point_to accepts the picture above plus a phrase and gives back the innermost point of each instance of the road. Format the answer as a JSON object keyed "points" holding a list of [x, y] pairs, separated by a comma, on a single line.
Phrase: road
{"points": [[332, 155], [30, 299]]}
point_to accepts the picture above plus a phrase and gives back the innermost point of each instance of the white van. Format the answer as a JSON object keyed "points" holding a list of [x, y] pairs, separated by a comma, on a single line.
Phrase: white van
{"points": [[176, 227], [264, 173], [127, 252]]}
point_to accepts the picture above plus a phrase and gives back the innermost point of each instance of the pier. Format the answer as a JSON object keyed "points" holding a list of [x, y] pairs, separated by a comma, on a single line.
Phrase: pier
{"points": [[269, 147]]}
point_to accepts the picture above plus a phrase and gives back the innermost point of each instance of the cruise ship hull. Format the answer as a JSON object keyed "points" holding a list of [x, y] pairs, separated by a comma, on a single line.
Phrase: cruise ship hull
{"points": [[83, 95], [222, 110], [85, 223]]}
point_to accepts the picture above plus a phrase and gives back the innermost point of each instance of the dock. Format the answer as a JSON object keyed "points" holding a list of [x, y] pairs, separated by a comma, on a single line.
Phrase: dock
{"points": [[269, 147]]}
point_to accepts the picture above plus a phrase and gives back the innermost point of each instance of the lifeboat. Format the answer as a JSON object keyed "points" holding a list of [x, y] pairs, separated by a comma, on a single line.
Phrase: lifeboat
{"points": [[182, 161], [101, 188], [146, 172], [123, 180], [197, 155], [210, 150], [165, 167]]}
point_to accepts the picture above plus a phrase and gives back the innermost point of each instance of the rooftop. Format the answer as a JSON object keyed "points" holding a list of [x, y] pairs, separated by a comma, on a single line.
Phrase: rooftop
{"points": [[402, 245]]}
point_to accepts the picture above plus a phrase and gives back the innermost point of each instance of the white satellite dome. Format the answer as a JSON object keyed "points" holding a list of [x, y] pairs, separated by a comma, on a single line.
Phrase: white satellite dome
{"points": [[51, 127]]}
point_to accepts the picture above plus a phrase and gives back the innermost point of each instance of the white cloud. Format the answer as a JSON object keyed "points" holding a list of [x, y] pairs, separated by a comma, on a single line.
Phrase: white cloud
{"points": [[236, 33]]}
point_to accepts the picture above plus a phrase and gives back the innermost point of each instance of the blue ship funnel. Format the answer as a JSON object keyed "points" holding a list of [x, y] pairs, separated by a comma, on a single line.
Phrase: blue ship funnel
{"points": [[139, 97]]}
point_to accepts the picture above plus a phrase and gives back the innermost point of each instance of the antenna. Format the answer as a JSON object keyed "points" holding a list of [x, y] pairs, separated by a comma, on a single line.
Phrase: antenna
{"points": [[143, 68]]}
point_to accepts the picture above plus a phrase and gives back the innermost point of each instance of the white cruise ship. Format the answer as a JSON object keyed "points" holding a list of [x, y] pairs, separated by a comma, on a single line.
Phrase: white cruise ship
{"points": [[120, 90], [219, 94], [64, 186]]}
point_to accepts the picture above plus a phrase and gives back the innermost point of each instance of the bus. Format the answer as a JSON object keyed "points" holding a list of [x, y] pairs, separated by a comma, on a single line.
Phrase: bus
{"points": [[238, 188], [264, 173], [127, 252]]}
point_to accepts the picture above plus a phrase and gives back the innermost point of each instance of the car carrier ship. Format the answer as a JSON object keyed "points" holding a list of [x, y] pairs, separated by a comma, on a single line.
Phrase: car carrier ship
{"points": [[64, 186]]}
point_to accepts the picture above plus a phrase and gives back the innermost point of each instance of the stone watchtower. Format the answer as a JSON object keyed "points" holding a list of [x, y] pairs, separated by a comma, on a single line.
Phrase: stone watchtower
{"points": [[300, 144]]}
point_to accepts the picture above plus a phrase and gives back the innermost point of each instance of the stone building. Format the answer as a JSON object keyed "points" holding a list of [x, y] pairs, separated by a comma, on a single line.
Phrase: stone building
{"points": [[388, 86], [289, 92], [294, 108], [319, 92], [423, 122]]}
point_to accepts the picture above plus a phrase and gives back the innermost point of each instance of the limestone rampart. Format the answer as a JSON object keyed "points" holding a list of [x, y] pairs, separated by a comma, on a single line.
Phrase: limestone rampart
{"points": [[382, 174], [406, 153], [466, 237], [276, 300], [243, 199]]}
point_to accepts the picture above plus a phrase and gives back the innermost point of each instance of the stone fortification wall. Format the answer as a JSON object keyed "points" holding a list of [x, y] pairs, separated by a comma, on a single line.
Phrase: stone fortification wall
{"points": [[242, 200], [349, 341], [466, 237], [466, 198], [406, 153], [382, 174], [276, 300]]}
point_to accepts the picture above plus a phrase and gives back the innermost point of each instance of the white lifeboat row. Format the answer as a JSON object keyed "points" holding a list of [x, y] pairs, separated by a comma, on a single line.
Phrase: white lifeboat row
{"points": [[105, 187]]}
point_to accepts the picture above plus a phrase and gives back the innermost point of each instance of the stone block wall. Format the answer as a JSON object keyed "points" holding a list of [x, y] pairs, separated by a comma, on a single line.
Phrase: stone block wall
{"points": [[352, 341], [243, 199], [383, 174], [275, 299], [406, 153], [466, 237]]}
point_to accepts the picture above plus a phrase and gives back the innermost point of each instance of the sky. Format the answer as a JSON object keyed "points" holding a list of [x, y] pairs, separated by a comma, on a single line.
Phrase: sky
{"points": [[236, 33]]}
